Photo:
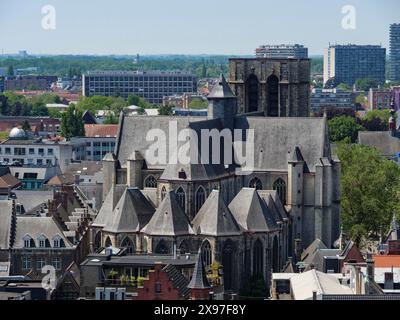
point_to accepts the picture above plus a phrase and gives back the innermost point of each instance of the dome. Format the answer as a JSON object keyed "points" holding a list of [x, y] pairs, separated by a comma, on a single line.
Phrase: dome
{"points": [[17, 133]]}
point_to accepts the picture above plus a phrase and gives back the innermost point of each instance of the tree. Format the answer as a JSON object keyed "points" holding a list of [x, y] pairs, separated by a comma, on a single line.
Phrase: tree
{"points": [[255, 287], [370, 187], [26, 126], [133, 100], [165, 110], [71, 123], [376, 120], [365, 84], [110, 118], [343, 128], [198, 103], [332, 112], [39, 111], [343, 87]]}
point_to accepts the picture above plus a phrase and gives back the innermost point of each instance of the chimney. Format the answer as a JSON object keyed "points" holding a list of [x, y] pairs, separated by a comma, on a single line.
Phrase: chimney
{"points": [[370, 268]]}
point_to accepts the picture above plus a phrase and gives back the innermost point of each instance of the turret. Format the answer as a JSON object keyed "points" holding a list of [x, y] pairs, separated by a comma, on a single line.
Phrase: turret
{"points": [[134, 170], [109, 172]]}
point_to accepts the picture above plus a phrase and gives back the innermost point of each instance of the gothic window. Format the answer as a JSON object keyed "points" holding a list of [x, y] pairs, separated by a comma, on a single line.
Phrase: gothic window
{"points": [[227, 263], [97, 240], [280, 187], [258, 258], [273, 96], [275, 255], [128, 244], [255, 183], [200, 198], [180, 193], [150, 182], [163, 193], [108, 242], [206, 253], [183, 247], [161, 247], [252, 93]]}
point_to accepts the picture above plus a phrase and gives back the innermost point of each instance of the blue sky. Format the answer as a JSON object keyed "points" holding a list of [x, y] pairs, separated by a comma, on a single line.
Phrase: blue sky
{"points": [[189, 27]]}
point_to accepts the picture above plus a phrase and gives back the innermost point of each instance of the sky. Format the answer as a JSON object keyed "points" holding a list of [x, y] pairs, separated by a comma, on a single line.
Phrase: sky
{"points": [[233, 27]]}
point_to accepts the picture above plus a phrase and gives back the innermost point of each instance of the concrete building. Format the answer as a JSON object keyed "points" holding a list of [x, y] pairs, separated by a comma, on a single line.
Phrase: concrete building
{"points": [[379, 98], [296, 51], [29, 82], [150, 85], [347, 63], [395, 52], [336, 98]]}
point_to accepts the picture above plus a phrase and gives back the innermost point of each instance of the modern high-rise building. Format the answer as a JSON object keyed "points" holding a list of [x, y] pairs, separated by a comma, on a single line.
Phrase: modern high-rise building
{"points": [[150, 85], [282, 51], [347, 63], [395, 52]]}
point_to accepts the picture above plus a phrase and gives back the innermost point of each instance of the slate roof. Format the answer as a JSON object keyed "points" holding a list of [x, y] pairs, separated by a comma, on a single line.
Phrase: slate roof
{"points": [[221, 89], [214, 218], [105, 215], [32, 199], [169, 219], [382, 140], [36, 226], [132, 212], [5, 223], [274, 203], [251, 212], [86, 168], [312, 248], [199, 279]]}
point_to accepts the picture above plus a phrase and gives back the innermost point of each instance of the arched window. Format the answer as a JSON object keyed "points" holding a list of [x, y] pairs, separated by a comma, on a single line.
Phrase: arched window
{"points": [[206, 253], [275, 255], [252, 93], [280, 187], [255, 183], [258, 258], [227, 264], [273, 96], [163, 193], [180, 193], [97, 240], [28, 242], [150, 182], [184, 247], [108, 242], [128, 244], [43, 241], [161, 248], [200, 198]]}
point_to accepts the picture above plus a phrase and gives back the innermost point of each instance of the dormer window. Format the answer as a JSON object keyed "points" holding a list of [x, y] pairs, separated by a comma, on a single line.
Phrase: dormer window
{"points": [[28, 242], [43, 242], [182, 174], [58, 242]]}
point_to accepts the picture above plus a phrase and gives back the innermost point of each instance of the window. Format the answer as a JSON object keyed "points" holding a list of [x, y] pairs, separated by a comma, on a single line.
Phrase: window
{"points": [[158, 287], [181, 197], [150, 182], [17, 175], [19, 151], [58, 242], [8, 151], [41, 151], [128, 244], [206, 253], [252, 93], [255, 183], [200, 198], [163, 193], [43, 242], [280, 187], [39, 161], [40, 263], [26, 263], [56, 263], [161, 247], [50, 152]]}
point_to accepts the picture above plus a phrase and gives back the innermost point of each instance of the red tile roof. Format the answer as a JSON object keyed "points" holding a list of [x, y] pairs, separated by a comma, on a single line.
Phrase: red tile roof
{"points": [[8, 180], [101, 130], [386, 261]]}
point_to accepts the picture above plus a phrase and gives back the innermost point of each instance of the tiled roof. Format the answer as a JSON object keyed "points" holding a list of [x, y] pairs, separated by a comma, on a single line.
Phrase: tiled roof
{"points": [[101, 130], [8, 180], [386, 261]]}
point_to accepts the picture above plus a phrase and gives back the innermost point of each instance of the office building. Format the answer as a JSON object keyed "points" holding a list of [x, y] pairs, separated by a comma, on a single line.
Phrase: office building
{"points": [[395, 52], [150, 85], [322, 98], [347, 63], [379, 98], [282, 51]]}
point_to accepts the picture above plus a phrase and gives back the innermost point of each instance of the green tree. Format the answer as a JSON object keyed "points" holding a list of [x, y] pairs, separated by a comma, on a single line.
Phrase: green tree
{"points": [[198, 103], [344, 87], [110, 118], [370, 187], [343, 128], [39, 111], [133, 100], [165, 110], [71, 123], [376, 120], [365, 84]]}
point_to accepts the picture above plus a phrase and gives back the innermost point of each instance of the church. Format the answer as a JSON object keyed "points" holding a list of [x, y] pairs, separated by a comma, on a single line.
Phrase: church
{"points": [[248, 223]]}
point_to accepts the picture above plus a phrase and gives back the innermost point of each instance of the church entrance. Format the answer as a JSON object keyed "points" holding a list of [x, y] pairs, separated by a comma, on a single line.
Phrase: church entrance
{"points": [[273, 96]]}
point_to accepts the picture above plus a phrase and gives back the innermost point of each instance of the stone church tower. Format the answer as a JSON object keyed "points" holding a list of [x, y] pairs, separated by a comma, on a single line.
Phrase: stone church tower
{"points": [[272, 87]]}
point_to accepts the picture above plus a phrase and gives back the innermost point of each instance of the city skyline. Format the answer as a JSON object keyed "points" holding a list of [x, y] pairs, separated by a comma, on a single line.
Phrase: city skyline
{"points": [[127, 28]]}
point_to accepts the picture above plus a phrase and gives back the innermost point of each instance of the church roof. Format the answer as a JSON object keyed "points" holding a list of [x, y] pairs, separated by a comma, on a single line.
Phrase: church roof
{"points": [[105, 215], [251, 212], [274, 203], [382, 140], [214, 218], [199, 279], [132, 212], [169, 219], [312, 248], [221, 89]]}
